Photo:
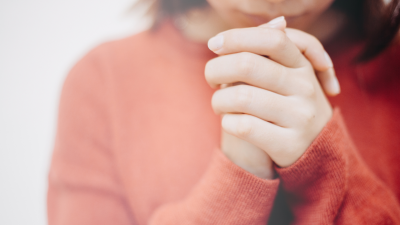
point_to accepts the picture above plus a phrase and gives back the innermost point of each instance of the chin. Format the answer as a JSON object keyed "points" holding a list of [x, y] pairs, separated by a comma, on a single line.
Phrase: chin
{"points": [[301, 22]]}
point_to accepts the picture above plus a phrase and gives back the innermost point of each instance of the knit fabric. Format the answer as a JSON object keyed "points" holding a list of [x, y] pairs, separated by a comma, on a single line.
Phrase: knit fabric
{"points": [[138, 143]]}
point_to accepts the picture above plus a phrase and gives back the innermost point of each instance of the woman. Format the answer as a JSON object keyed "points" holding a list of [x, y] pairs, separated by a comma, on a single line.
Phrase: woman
{"points": [[138, 141]]}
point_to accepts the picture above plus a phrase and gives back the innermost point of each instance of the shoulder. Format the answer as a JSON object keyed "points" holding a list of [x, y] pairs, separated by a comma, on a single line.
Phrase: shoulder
{"points": [[147, 44], [132, 62], [133, 54], [116, 50], [108, 58]]}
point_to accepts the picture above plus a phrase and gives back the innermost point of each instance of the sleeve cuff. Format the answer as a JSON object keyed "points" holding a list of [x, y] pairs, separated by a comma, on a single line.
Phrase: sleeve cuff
{"points": [[226, 194], [235, 195], [323, 160]]}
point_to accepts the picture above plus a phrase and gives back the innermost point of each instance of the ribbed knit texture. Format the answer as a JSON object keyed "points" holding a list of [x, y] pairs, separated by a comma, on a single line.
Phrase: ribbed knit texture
{"points": [[226, 195], [138, 143], [330, 183]]}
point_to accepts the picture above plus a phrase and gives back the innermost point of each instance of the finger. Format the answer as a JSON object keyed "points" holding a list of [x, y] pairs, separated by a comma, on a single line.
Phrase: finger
{"points": [[255, 101], [262, 41], [277, 23], [312, 49], [318, 57], [251, 69], [262, 134], [329, 82]]}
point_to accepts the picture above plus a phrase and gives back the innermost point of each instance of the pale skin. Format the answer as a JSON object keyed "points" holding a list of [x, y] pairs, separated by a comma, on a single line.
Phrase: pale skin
{"points": [[274, 80]]}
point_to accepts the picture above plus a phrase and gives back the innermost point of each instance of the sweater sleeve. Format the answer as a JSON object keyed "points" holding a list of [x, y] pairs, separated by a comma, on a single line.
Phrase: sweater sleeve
{"points": [[227, 194], [331, 184], [84, 186]]}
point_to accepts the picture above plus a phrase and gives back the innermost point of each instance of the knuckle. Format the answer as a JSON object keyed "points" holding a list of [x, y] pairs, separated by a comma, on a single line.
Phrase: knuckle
{"points": [[281, 79], [279, 40], [308, 89], [306, 115], [243, 97], [245, 64], [244, 126]]}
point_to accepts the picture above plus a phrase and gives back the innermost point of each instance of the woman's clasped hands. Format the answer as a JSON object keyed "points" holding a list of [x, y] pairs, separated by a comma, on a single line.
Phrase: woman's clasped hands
{"points": [[273, 81]]}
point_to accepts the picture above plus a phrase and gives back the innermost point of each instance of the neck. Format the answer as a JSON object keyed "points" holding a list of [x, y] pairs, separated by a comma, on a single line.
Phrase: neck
{"points": [[200, 25]]}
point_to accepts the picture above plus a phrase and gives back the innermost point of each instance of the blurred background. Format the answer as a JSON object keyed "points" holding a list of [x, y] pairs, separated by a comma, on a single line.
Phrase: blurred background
{"points": [[40, 40]]}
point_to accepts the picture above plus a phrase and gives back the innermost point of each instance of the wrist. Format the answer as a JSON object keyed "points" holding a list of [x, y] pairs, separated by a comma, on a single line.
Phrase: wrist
{"points": [[247, 156]]}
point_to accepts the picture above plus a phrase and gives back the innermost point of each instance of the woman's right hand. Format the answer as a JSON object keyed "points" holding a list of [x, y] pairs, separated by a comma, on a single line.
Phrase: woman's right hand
{"points": [[250, 157]]}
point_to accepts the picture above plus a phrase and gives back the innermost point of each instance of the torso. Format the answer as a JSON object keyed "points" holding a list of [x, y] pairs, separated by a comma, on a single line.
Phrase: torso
{"points": [[162, 111]]}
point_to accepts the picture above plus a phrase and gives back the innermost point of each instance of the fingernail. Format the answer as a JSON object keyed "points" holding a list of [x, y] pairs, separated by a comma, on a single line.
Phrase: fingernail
{"points": [[276, 21], [216, 43], [335, 87], [328, 60]]}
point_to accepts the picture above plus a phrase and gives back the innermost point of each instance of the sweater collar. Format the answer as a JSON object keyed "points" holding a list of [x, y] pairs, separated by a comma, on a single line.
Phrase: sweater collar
{"points": [[173, 34]]}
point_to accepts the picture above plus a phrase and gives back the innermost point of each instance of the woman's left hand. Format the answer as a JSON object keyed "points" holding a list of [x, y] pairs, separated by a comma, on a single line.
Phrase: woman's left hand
{"points": [[278, 104]]}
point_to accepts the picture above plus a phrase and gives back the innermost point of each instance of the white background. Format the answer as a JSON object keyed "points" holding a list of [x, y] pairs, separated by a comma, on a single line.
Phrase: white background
{"points": [[39, 42]]}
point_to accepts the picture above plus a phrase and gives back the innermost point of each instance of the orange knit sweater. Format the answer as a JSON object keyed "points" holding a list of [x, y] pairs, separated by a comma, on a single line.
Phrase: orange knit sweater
{"points": [[138, 143]]}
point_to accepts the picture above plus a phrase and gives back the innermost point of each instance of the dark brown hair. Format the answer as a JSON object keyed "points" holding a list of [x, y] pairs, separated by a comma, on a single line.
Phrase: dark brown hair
{"points": [[373, 22]]}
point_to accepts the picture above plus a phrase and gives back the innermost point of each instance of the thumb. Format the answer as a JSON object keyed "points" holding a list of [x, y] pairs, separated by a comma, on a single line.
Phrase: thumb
{"points": [[314, 51], [277, 23]]}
